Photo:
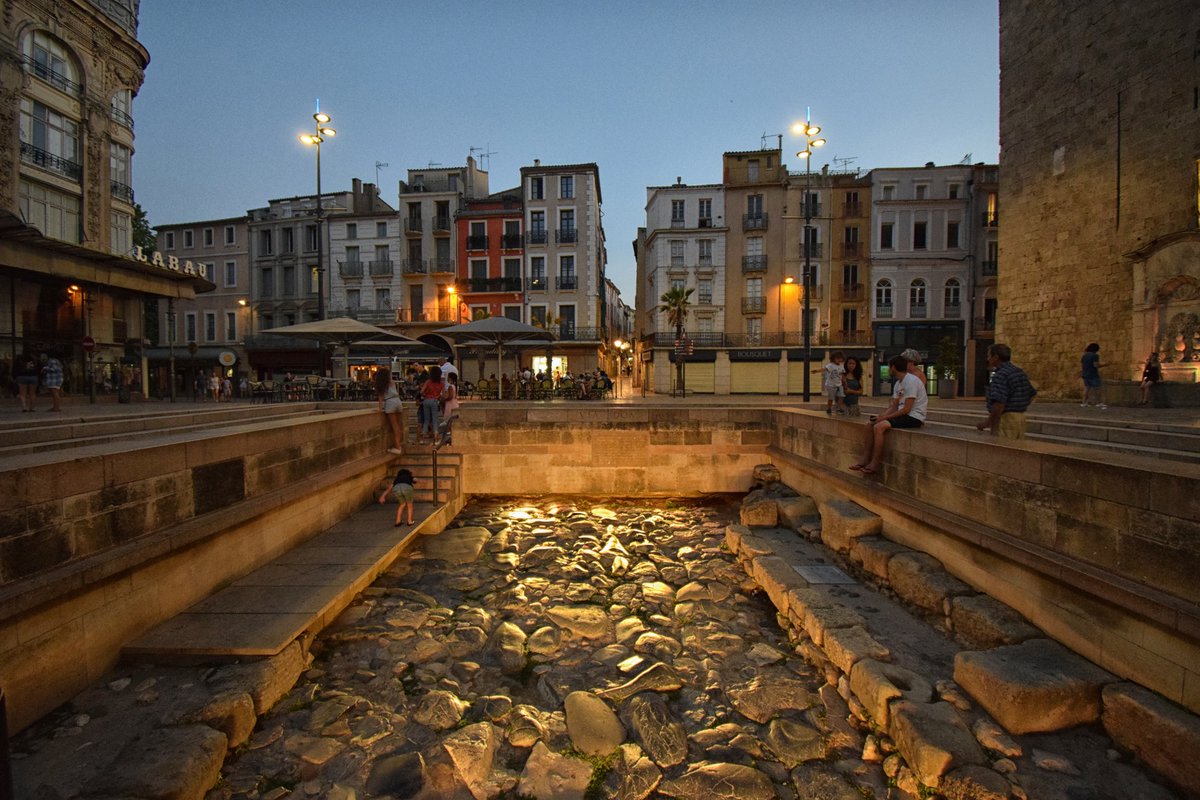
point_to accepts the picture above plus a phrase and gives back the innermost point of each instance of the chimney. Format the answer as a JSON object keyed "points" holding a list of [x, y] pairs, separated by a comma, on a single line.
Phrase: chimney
{"points": [[537, 162]]}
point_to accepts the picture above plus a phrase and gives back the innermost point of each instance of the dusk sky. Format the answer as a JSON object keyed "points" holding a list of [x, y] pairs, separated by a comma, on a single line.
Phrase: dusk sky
{"points": [[647, 90]]}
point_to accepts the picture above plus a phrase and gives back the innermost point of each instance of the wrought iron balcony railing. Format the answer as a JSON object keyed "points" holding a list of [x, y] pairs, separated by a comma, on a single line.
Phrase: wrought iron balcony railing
{"points": [[851, 292], [48, 161], [812, 250], [851, 249], [477, 242], [52, 77], [381, 267], [441, 224], [566, 235], [885, 311], [569, 333], [566, 282], [494, 284], [415, 266], [537, 283], [953, 310], [413, 224], [852, 210], [535, 236], [121, 118], [754, 263], [754, 222], [350, 269], [918, 310], [754, 305], [441, 265], [511, 241], [121, 191]]}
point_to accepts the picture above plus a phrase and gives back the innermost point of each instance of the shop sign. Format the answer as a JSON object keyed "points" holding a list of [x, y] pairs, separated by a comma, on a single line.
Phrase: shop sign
{"points": [[170, 262], [754, 355], [227, 358]]}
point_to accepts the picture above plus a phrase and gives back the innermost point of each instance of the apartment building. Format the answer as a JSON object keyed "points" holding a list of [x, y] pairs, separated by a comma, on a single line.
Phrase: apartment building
{"points": [[364, 264], [921, 221], [983, 293], [491, 255], [566, 259], [683, 247], [209, 331], [429, 201], [69, 275]]}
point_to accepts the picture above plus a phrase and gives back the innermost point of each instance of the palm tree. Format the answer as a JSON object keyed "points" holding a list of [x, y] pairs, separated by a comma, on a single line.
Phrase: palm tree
{"points": [[675, 305]]}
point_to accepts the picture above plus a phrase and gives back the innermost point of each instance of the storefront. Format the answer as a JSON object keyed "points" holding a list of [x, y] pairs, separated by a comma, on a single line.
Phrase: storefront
{"points": [[754, 371]]}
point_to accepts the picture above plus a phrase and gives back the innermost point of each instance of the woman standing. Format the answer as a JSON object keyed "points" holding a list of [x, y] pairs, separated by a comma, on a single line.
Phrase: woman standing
{"points": [[1151, 374], [25, 372], [853, 385], [1089, 373], [393, 410], [431, 395]]}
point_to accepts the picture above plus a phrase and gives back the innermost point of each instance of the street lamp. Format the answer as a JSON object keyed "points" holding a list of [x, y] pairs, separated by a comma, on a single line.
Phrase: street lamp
{"points": [[809, 132], [320, 131]]}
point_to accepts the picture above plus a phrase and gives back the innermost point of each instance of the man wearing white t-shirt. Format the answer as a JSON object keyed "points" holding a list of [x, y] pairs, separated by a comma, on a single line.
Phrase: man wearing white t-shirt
{"points": [[909, 405], [447, 367]]}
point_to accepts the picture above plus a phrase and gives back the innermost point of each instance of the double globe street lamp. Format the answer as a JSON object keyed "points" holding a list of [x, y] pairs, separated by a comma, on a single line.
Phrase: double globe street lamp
{"points": [[809, 132], [320, 131]]}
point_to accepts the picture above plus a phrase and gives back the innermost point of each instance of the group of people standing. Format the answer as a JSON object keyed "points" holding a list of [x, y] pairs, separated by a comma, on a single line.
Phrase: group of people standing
{"points": [[28, 373], [436, 389]]}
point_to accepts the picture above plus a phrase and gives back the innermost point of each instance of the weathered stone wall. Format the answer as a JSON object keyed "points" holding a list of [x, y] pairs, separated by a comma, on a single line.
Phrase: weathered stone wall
{"points": [[1099, 135], [610, 450], [1097, 552]]}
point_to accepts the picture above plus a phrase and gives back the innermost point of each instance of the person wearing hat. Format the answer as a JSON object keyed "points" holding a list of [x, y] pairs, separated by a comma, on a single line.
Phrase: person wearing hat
{"points": [[914, 365]]}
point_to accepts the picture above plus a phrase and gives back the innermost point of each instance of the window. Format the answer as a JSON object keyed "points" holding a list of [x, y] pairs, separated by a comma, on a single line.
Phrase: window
{"points": [[676, 252], [119, 170], [566, 324], [812, 206], [380, 230], [352, 254], [678, 284], [705, 247], [566, 187], [208, 237], [287, 240], [537, 316], [704, 325], [310, 238], [953, 296], [289, 281], [121, 107], [54, 137], [230, 273], [189, 240], [754, 206], [512, 268], [754, 287], [952, 191], [265, 243], [230, 235], [916, 297], [887, 236], [266, 284], [231, 326], [537, 272], [189, 326], [383, 254], [752, 171], [537, 222], [49, 59], [120, 233], [920, 235], [705, 212], [208, 270], [353, 298], [889, 192], [704, 288], [537, 188], [169, 240], [921, 191], [677, 213], [566, 266], [754, 246], [849, 274], [479, 269], [753, 330], [952, 234], [883, 296], [513, 313], [566, 220], [351, 230], [383, 299]]}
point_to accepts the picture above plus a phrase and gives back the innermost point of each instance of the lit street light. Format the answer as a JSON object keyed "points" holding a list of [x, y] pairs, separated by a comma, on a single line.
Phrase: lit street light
{"points": [[320, 131], [809, 132]]}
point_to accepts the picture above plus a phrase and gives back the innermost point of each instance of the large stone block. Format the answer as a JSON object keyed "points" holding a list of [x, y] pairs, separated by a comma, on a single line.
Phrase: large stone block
{"points": [[818, 620], [933, 739], [983, 622], [877, 684], [778, 579], [1033, 687], [843, 521], [847, 646], [759, 512], [921, 580], [795, 511], [873, 553], [1160, 733], [180, 762]]}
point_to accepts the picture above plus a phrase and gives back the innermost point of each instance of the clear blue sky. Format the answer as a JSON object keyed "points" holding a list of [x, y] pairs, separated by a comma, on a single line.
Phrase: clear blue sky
{"points": [[647, 90]]}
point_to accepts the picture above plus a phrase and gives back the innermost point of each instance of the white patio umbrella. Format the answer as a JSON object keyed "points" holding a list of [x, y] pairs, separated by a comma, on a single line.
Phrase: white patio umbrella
{"points": [[343, 331], [498, 331]]}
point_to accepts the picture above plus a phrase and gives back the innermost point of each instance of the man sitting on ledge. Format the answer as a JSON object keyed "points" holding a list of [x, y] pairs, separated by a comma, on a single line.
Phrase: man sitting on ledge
{"points": [[906, 410]]}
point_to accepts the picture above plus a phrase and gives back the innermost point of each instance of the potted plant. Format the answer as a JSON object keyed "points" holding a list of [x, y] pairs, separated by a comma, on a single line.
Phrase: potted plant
{"points": [[947, 365]]}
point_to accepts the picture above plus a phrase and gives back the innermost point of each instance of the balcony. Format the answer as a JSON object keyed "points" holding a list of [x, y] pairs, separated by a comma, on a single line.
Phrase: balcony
{"points": [[754, 222], [441, 225], [50, 76], [852, 249], [372, 316], [852, 210], [918, 311], [569, 333], [953, 311], [566, 235], [989, 219], [537, 236], [704, 261], [842, 338], [350, 269], [121, 191], [566, 282], [884, 311], [511, 241], [414, 266], [413, 226], [704, 299], [754, 263], [851, 292], [420, 315], [48, 161], [754, 305], [677, 223], [537, 283], [815, 292], [441, 264], [990, 268], [813, 209], [477, 242], [705, 222], [480, 285], [812, 250], [677, 262], [121, 118], [380, 267]]}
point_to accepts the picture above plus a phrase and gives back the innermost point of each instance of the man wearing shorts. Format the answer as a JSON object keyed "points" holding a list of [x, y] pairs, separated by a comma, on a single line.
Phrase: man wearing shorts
{"points": [[906, 410]]}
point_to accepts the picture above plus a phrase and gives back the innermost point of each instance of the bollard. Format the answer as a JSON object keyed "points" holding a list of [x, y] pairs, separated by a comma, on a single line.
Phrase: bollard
{"points": [[6, 783]]}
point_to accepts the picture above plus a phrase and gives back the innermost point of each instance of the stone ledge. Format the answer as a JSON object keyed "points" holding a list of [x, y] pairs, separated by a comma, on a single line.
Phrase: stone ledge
{"points": [[843, 521], [1160, 733]]}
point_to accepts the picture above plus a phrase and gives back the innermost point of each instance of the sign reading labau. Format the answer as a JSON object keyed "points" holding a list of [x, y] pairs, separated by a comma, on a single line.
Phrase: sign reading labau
{"points": [[170, 262]]}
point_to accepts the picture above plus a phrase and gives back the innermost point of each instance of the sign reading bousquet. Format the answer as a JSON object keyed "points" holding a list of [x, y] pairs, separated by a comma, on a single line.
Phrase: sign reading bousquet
{"points": [[170, 262]]}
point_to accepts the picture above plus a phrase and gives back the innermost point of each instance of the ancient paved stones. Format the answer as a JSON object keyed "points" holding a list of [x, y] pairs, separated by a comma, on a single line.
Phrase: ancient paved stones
{"points": [[177, 762], [439, 710], [876, 685], [509, 641], [847, 646], [1032, 687], [973, 782], [843, 521], [921, 580], [400, 775], [822, 782], [550, 776], [759, 512], [593, 726], [472, 750], [658, 733], [657, 678], [587, 621], [794, 512], [456, 545], [932, 739], [720, 782], [763, 697], [1160, 733], [794, 742], [873, 554], [983, 622]]}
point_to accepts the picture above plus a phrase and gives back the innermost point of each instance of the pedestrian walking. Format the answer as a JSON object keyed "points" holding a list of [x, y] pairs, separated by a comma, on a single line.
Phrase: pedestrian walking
{"points": [[1008, 395], [1089, 373], [52, 376], [25, 372]]}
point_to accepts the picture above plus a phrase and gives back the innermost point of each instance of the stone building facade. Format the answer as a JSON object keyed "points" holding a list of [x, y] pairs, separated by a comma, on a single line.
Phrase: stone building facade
{"points": [[1100, 152]]}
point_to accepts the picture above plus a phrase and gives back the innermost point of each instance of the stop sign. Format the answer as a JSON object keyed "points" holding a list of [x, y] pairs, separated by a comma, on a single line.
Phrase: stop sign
{"points": [[89, 344]]}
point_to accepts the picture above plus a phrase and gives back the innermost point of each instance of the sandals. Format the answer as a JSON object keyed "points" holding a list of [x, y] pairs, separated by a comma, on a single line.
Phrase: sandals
{"points": [[858, 467], [869, 471]]}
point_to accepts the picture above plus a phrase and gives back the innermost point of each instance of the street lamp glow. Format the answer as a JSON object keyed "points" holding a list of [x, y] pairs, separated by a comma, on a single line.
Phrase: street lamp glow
{"points": [[320, 131], [817, 142], [789, 280], [321, 118], [332, 132], [809, 132], [242, 302]]}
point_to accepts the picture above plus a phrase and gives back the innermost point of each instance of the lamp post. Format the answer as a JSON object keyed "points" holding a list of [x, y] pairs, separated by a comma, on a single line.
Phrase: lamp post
{"points": [[809, 132], [320, 131]]}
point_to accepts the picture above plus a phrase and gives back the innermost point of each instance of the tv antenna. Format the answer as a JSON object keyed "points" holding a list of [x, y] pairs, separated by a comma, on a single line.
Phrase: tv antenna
{"points": [[485, 155], [762, 142], [966, 159], [842, 164], [433, 164], [378, 166]]}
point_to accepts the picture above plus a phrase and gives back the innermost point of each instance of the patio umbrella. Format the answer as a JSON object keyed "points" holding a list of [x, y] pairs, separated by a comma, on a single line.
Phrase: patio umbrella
{"points": [[498, 331], [343, 331]]}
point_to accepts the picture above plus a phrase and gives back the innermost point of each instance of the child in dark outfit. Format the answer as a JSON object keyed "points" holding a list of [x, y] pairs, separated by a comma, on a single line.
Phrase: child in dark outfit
{"points": [[402, 489]]}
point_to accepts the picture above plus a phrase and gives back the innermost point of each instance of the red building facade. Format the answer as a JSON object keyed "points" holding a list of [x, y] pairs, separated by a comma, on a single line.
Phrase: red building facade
{"points": [[491, 256]]}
